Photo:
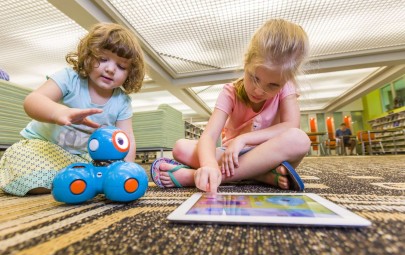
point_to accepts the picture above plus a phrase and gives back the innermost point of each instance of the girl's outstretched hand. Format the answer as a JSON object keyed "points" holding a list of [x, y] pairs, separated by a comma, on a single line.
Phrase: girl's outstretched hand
{"points": [[69, 116], [207, 179]]}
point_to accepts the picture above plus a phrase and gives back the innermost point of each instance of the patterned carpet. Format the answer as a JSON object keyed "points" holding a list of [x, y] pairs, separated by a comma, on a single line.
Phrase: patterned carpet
{"points": [[373, 187]]}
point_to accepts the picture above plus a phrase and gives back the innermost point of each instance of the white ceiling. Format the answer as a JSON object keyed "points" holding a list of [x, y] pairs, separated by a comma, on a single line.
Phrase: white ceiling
{"points": [[193, 47]]}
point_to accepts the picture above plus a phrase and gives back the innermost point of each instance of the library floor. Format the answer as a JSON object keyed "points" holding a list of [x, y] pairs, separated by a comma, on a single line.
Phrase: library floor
{"points": [[371, 186]]}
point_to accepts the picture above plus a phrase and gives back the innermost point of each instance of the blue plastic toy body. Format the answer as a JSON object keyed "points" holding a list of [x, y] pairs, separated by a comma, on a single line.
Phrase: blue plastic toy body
{"points": [[108, 174]]}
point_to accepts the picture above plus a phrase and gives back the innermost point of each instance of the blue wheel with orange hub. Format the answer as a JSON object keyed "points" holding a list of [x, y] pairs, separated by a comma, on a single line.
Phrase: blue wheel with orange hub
{"points": [[125, 182], [74, 184]]}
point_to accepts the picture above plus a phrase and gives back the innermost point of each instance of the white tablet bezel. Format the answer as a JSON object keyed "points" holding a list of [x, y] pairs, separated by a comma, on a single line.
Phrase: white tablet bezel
{"points": [[348, 218]]}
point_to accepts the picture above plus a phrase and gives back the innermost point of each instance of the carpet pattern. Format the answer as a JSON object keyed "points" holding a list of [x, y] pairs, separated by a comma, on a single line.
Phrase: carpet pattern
{"points": [[371, 186]]}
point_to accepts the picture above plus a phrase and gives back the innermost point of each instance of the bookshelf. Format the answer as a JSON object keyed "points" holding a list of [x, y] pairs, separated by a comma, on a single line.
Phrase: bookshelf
{"points": [[390, 129], [192, 131]]}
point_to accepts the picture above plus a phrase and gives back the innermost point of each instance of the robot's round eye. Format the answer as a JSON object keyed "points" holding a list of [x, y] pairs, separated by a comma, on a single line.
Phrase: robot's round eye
{"points": [[93, 145], [120, 141]]}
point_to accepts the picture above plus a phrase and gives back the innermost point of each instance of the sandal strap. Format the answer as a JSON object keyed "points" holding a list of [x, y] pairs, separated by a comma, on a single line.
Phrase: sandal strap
{"points": [[277, 175], [174, 169]]}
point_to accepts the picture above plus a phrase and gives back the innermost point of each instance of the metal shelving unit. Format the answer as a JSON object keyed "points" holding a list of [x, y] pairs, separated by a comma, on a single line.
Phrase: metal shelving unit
{"points": [[390, 129], [192, 131]]}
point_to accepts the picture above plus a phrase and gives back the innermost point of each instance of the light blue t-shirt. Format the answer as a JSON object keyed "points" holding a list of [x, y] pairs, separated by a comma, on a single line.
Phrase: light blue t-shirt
{"points": [[76, 95]]}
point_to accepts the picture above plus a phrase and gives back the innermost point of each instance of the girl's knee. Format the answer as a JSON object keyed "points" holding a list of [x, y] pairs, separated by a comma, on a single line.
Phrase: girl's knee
{"points": [[178, 147], [298, 139], [183, 149]]}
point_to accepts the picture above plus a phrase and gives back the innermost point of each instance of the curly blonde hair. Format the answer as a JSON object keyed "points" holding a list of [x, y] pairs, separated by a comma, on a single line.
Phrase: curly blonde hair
{"points": [[119, 40], [278, 43]]}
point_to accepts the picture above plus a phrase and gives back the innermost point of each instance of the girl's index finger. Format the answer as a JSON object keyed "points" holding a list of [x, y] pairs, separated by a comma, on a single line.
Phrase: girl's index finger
{"points": [[213, 184], [92, 111]]}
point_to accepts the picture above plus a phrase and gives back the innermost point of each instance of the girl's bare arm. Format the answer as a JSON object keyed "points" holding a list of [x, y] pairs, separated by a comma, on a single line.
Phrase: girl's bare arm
{"points": [[43, 105]]}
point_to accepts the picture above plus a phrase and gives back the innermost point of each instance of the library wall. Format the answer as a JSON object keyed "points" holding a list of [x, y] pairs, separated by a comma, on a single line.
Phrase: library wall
{"points": [[372, 107]]}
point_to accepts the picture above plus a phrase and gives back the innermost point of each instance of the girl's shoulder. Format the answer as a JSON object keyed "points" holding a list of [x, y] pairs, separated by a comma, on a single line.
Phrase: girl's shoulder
{"points": [[66, 75], [121, 96], [228, 91], [67, 71], [229, 88], [289, 88]]}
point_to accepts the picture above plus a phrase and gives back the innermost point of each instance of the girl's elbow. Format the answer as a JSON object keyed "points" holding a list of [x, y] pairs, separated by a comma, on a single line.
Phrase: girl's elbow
{"points": [[27, 103]]}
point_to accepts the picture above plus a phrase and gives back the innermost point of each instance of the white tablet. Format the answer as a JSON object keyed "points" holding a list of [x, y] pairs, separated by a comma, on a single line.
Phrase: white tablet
{"points": [[265, 208]]}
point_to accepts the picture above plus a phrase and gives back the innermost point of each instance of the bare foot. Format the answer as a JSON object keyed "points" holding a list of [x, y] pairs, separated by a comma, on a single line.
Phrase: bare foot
{"points": [[270, 178], [184, 176]]}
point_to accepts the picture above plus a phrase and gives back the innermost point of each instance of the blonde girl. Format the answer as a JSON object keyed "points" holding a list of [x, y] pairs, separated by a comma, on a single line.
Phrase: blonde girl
{"points": [[260, 117]]}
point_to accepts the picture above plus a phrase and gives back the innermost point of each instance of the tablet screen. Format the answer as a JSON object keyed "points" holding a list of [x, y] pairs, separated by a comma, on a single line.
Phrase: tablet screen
{"points": [[261, 205], [265, 208]]}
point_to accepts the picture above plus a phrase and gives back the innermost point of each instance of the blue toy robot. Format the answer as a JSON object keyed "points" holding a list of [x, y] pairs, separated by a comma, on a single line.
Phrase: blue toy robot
{"points": [[108, 173]]}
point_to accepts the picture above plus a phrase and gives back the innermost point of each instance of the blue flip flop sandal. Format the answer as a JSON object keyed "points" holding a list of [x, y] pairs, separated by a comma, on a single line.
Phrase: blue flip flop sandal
{"points": [[155, 171], [294, 179]]}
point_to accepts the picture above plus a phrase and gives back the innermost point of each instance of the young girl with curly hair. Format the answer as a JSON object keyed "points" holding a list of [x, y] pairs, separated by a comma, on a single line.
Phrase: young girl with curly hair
{"points": [[107, 66]]}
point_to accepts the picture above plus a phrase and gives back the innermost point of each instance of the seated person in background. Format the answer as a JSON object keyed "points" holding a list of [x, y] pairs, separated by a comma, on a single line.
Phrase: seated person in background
{"points": [[4, 75], [343, 134]]}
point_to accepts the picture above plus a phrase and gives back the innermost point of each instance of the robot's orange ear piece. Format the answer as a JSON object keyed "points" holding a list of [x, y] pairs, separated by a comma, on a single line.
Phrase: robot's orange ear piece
{"points": [[120, 141], [131, 185], [77, 187]]}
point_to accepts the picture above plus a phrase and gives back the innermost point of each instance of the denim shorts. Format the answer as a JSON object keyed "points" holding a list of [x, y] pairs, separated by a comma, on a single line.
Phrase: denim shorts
{"points": [[243, 151]]}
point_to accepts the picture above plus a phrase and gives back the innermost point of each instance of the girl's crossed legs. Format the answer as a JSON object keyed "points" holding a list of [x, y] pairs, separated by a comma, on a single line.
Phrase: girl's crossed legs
{"points": [[291, 145]]}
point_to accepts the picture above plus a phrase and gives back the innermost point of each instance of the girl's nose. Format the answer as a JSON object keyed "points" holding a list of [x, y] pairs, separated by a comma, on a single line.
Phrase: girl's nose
{"points": [[259, 91], [110, 68]]}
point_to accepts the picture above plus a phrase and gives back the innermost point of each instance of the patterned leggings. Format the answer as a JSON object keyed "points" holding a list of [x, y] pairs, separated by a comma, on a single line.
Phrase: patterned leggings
{"points": [[30, 164]]}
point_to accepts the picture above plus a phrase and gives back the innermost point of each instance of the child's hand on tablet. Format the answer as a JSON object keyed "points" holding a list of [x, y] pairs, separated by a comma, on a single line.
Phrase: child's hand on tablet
{"points": [[208, 179]]}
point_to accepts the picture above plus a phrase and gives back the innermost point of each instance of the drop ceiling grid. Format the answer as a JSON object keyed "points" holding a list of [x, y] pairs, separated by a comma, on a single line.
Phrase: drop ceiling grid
{"points": [[216, 33], [213, 35], [33, 32], [350, 26], [33, 23]]}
